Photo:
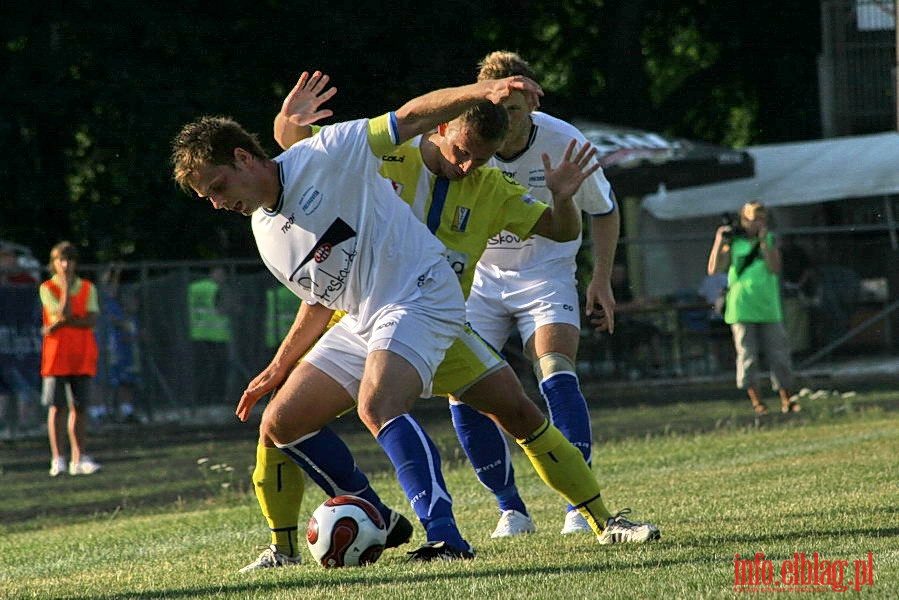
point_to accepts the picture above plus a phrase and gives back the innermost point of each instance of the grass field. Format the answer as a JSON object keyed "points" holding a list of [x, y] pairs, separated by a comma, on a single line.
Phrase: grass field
{"points": [[159, 522]]}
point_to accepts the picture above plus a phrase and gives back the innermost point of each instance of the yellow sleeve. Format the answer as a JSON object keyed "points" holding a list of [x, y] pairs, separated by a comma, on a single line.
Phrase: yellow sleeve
{"points": [[382, 134]]}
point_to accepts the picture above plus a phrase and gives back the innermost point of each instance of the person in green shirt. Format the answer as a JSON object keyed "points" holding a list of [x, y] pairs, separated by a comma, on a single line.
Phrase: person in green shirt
{"points": [[753, 310]]}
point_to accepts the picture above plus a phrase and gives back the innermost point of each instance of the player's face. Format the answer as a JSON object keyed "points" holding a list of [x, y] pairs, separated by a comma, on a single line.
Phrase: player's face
{"points": [[519, 111], [236, 188], [463, 152]]}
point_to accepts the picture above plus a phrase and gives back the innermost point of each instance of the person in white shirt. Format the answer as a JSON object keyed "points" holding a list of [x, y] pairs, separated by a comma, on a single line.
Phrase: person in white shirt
{"points": [[530, 284]]}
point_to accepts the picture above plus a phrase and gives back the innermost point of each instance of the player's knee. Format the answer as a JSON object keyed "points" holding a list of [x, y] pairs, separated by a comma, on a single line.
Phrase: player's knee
{"points": [[552, 362]]}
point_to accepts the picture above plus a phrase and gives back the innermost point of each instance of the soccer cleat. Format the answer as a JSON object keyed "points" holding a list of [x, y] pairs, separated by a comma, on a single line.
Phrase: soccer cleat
{"points": [[271, 558], [57, 466], [575, 522], [439, 551], [399, 530], [619, 530], [513, 522], [85, 466]]}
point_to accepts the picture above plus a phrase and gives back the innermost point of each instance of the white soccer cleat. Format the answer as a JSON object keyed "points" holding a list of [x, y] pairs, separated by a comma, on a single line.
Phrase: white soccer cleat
{"points": [[575, 522], [85, 466], [271, 558], [57, 466], [513, 522], [620, 531]]}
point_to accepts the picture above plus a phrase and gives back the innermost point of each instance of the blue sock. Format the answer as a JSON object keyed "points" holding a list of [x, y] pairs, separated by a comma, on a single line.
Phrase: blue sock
{"points": [[568, 411], [327, 460], [485, 445], [417, 464]]}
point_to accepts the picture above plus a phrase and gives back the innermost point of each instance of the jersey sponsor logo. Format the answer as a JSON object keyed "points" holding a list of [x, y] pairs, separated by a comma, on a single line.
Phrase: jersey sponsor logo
{"points": [[460, 219], [510, 177], [537, 178], [393, 158], [310, 200], [503, 239], [327, 280], [288, 223]]}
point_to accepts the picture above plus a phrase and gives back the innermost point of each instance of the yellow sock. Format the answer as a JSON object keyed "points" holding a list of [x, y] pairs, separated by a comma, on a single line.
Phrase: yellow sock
{"points": [[562, 467], [279, 484]]}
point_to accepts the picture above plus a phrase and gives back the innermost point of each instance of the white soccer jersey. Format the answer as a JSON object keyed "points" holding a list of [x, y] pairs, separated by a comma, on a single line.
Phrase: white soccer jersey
{"points": [[536, 256], [339, 234]]}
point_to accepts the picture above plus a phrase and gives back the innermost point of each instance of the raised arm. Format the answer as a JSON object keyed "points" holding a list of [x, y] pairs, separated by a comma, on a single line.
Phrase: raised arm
{"points": [[424, 113], [719, 257], [300, 108], [562, 222]]}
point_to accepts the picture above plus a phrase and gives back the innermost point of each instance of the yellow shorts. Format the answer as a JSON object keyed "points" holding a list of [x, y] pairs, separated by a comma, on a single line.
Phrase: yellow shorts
{"points": [[467, 361]]}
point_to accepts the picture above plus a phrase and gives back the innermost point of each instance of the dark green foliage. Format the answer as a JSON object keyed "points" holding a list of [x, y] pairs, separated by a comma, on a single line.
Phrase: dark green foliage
{"points": [[92, 92]]}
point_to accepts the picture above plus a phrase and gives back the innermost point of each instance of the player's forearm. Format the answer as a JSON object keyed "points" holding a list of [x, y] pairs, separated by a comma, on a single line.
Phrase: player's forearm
{"points": [[604, 232], [310, 323], [424, 113], [565, 220], [287, 134]]}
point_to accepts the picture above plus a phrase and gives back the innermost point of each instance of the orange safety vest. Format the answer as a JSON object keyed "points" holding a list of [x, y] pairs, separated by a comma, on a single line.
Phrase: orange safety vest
{"points": [[69, 350]]}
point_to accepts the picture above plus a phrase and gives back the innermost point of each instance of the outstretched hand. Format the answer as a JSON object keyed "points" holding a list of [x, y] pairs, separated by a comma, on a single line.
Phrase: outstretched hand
{"points": [[565, 180], [301, 106]]}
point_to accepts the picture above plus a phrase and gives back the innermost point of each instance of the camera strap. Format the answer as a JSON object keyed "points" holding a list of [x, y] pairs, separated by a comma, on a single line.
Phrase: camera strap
{"points": [[750, 258]]}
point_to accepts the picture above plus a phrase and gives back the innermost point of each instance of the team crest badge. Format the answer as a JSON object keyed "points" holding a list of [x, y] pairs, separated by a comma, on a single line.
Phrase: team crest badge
{"points": [[460, 220]]}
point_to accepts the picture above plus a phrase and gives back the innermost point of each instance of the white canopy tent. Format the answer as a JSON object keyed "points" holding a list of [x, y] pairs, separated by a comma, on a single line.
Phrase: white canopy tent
{"points": [[791, 174]]}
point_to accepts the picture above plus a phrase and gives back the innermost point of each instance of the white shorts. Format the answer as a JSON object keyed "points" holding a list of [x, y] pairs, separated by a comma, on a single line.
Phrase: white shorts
{"points": [[499, 303], [420, 330]]}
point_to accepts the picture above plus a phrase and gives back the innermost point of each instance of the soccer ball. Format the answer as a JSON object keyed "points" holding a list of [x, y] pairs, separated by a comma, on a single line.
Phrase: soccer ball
{"points": [[346, 531]]}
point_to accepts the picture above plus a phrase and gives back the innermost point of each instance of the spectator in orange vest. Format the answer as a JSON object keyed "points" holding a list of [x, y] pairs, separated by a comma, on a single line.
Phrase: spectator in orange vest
{"points": [[70, 309]]}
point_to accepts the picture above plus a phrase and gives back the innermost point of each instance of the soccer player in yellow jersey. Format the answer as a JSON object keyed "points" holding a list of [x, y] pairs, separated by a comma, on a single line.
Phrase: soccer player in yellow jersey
{"points": [[439, 176]]}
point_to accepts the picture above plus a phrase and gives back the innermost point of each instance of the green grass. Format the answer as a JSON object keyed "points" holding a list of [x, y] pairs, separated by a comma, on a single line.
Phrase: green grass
{"points": [[718, 482]]}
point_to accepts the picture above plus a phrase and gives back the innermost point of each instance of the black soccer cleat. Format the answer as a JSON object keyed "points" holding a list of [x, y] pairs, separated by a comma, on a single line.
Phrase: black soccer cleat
{"points": [[439, 551], [399, 530]]}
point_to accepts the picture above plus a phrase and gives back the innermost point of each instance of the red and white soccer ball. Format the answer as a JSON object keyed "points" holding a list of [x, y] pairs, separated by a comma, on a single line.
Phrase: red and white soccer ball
{"points": [[346, 531]]}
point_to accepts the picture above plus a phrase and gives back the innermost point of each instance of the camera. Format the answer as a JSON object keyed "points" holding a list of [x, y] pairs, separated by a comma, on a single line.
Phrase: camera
{"points": [[728, 220]]}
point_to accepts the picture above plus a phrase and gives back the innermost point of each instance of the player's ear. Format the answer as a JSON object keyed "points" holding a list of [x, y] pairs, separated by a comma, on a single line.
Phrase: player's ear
{"points": [[241, 157], [441, 129]]}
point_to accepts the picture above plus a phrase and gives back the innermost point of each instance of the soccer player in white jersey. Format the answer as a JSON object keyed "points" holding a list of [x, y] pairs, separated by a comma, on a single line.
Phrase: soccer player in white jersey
{"points": [[335, 233], [530, 285]]}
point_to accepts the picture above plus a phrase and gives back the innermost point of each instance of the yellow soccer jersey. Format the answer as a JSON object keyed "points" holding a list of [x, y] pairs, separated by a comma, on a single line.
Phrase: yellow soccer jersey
{"points": [[463, 213]]}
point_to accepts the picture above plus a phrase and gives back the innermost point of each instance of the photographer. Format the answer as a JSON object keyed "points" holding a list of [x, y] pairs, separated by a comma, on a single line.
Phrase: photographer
{"points": [[753, 304]]}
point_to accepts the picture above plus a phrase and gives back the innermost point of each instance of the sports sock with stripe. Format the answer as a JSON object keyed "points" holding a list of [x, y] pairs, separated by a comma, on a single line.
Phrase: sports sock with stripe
{"points": [[562, 467], [327, 460], [279, 485], [485, 445], [417, 464], [568, 411]]}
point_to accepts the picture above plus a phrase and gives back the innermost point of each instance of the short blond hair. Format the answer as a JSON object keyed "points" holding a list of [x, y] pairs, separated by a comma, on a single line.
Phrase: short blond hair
{"points": [[502, 64]]}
